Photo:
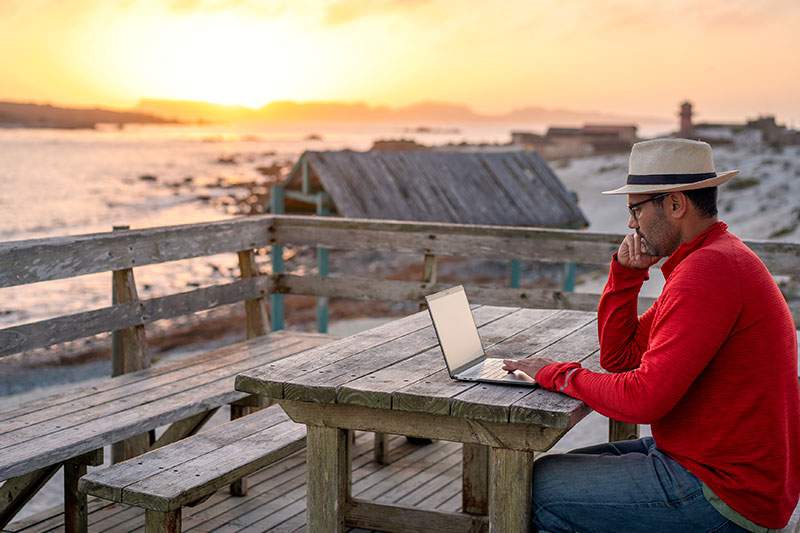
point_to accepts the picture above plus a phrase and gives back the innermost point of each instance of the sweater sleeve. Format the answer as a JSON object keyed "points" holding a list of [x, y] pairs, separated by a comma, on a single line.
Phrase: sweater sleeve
{"points": [[623, 335], [697, 311]]}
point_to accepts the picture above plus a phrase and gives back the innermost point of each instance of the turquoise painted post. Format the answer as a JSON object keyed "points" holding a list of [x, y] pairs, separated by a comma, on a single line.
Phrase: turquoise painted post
{"points": [[322, 265], [276, 207], [569, 277], [516, 273], [304, 170]]}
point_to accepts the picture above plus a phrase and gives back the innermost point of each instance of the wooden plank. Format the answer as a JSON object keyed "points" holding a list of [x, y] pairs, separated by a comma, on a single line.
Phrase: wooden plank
{"points": [[65, 328], [65, 443], [377, 388], [255, 311], [127, 397], [513, 436], [537, 244], [31, 261], [548, 245], [183, 429], [322, 384], [475, 487], [110, 482], [71, 394], [511, 490], [199, 476], [268, 381], [488, 401], [328, 478], [358, 288], [401, 519]]}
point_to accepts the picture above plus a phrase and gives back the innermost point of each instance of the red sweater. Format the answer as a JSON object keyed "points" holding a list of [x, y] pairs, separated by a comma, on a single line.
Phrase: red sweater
{"points": [[712, 366]]}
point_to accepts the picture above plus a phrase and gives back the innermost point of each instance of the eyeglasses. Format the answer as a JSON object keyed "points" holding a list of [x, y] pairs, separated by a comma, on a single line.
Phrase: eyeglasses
{"points": [[634, 209]]}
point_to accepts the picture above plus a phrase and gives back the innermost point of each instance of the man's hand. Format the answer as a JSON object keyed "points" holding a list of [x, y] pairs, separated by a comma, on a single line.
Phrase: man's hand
{"points": [[632, 253], [528, 366]]}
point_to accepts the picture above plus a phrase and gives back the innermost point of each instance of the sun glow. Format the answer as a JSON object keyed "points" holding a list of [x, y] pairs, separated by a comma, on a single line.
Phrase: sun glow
{"points": [[221, 58]]}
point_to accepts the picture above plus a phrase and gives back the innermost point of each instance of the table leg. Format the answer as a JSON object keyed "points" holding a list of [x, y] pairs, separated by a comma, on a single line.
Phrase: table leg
{"points": [[17, 491], [328, 465], [475, 481], [510, 491], [622, 431], [162, 522]]}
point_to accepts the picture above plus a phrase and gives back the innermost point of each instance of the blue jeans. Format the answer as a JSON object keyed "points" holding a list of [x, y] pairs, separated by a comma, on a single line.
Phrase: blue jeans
{"points": [[625, 486]]}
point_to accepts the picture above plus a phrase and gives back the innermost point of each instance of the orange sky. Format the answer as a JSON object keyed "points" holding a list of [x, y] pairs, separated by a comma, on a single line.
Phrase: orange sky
{"points": [[733, 58]]}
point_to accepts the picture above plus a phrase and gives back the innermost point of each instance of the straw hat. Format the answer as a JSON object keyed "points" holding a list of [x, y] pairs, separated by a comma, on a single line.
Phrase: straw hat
{"points": [[669, 165]]}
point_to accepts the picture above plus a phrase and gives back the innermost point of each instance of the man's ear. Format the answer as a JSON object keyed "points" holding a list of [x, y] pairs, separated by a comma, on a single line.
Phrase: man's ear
{"points": [[677, 204]]}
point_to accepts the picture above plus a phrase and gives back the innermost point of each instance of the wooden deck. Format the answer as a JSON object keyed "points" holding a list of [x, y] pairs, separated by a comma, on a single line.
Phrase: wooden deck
{"points": [[428, 477]]}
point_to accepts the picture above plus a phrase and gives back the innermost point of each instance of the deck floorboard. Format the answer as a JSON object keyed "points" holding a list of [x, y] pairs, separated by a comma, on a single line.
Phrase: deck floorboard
{"points": [[425, 476]]}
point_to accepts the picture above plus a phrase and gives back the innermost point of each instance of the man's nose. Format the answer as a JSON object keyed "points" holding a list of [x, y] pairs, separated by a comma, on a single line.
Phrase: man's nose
{"points": [[632, 222]]}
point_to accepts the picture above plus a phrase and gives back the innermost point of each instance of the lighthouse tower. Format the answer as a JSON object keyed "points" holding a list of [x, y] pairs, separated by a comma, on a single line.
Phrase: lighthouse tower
{"points": [[686, 129]]}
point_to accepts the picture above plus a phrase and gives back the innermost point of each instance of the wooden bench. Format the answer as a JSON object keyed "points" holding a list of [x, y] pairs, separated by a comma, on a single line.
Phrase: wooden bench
{"points": [[187, 472], [71, 428]]}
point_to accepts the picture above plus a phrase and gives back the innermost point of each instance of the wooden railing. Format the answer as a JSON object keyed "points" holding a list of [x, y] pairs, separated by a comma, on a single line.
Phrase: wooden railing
{"points": [[33, 261]]}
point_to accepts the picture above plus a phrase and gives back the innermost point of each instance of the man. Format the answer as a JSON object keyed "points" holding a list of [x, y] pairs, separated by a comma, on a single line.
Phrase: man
{"points": [[712, 366]]}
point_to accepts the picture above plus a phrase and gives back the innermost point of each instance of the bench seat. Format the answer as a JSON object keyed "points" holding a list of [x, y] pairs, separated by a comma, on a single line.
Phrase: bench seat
{"points": [[186, 472]]}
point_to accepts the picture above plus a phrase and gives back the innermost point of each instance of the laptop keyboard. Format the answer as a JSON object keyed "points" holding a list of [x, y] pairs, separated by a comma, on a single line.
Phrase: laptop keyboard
{"points": [[488, 369]]}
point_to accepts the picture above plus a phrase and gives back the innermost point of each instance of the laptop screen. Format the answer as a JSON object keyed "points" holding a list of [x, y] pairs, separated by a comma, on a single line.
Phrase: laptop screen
{"points": [[455, 327]]}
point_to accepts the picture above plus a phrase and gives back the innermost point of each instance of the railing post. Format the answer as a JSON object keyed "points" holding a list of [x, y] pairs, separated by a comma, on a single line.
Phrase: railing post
{"points": [[569, 277], [128, 353], [256, 325], [516, 273], [276, 254], [323, 209]]}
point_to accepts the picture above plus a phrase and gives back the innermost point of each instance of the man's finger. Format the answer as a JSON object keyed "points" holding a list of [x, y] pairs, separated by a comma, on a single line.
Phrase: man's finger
{"points": [[510, 364]]}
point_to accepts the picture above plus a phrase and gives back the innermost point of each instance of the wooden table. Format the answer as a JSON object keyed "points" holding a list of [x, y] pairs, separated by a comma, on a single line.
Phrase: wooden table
{"points": [[392, 379]]}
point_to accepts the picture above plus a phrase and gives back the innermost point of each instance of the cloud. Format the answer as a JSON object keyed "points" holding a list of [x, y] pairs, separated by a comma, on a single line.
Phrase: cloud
{"points": [[345, 11]]}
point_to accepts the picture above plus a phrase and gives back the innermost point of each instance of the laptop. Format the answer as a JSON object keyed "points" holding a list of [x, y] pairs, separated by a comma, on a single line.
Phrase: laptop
{"points": [[463, 351]]}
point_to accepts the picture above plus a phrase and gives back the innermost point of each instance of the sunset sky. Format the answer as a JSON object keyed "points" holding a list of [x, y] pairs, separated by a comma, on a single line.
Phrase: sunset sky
{"points": [[733, 58]]}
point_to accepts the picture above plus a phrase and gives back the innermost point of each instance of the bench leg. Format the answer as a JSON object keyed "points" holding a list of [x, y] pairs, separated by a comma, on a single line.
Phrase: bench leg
{"points": [[76, 518], [475, 481], [17, 491], [510, 491], [328, 467], [76, 514], [162, 522], [239, 487]]}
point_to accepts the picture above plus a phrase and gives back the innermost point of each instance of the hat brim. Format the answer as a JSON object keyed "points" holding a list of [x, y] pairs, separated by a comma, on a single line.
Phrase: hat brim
{"points": [[719, 179]]}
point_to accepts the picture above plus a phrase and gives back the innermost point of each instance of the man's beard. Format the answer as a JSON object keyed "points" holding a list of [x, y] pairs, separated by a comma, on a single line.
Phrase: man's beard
{"points": [[666, 241]]}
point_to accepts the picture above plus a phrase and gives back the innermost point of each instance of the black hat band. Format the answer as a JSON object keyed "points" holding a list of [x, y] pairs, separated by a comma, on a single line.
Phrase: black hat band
{"points": [[668, 179]]}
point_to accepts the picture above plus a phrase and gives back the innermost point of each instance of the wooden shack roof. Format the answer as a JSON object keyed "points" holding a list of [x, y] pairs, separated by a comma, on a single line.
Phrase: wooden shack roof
{"points": [[512, 188]]}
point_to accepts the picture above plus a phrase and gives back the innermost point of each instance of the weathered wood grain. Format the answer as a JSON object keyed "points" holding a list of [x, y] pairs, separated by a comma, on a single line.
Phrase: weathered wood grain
{"points": [[127, 396], [65, 328], [31, 261], [358, 288], [255, 311], [511, 488], [395, 518], [328, 478], [321, 384], [268, 380], [376, 388], [65, 443], [109, 483], [512, 436], [475, 479]]}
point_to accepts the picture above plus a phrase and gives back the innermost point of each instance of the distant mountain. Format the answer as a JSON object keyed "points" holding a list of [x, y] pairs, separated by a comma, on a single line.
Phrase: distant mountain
{"points": [[191, 111], [24, 115]]}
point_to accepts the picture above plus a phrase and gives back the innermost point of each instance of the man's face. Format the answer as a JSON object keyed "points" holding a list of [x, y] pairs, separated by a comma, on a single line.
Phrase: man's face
{"points": [[659, 236]]}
